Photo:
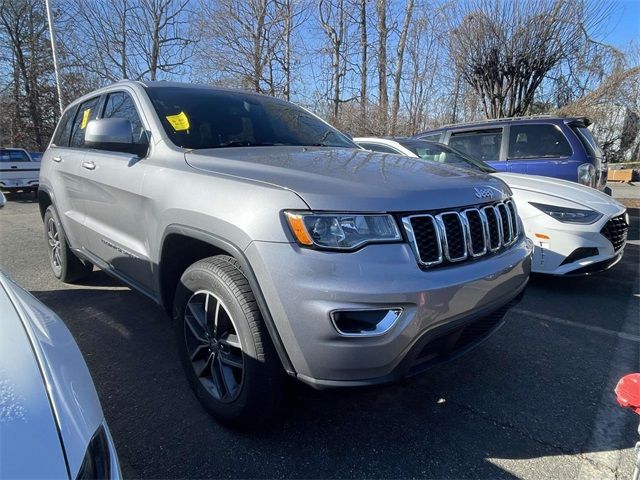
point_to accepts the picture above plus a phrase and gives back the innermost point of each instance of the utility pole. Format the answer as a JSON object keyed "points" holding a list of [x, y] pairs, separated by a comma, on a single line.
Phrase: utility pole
{"points": [[54, 52]]}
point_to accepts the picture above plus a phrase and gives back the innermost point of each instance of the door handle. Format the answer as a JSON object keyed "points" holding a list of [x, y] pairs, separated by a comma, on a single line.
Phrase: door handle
{"points": [[89, 165], [57, 159], [14, 166]]}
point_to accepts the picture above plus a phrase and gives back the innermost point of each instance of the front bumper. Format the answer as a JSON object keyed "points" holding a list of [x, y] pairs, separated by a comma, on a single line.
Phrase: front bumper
{"points": [[550, 255], [302, 287]]}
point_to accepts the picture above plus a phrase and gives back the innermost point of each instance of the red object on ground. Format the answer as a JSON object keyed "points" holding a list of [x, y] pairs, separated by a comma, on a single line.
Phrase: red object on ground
{"points": [[628, 392]]}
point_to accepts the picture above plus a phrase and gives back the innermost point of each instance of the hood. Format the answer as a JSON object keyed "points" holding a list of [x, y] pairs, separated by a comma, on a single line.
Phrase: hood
{"points": [[563, 189], [29, 442], [342, 179], [72, 399]]}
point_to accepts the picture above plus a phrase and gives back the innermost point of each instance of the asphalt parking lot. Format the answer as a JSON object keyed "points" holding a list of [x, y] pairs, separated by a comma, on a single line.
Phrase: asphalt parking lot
{"points": [[534, 401]]}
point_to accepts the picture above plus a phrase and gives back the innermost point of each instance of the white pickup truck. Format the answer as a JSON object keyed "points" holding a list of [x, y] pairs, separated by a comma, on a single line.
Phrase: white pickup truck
{"points": [[18, 171]]}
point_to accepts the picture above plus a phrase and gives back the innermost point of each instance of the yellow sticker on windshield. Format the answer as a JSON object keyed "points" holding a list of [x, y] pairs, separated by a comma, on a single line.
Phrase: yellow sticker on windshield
{"points": [[85, 118], [179, 121]]}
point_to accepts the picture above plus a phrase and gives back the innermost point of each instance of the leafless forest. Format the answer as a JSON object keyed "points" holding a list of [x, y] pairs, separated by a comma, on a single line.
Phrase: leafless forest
{"points": [[383, 67]]}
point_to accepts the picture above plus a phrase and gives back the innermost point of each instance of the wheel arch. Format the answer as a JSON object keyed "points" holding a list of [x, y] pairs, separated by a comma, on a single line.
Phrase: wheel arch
{"points": [[182, 246], [45, 200]]}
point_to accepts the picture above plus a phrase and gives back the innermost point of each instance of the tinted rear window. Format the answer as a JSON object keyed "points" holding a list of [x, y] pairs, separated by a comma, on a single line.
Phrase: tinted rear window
{"points": [[587, 140], [13, 156], [61, 137], [537, 141], [481, 144], [206, 118]]}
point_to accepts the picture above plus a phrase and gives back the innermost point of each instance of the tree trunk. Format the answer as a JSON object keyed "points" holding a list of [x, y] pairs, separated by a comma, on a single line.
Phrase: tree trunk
{"points": [[363, 61], [383, 33], [397, 79]]}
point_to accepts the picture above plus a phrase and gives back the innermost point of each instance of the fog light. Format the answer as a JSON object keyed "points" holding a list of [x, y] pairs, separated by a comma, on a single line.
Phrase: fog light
{"points": [[364, 323]]}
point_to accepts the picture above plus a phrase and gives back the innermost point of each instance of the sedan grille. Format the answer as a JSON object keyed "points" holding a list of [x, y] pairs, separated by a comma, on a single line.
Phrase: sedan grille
{"points": [[615, 230], [455, 236]]}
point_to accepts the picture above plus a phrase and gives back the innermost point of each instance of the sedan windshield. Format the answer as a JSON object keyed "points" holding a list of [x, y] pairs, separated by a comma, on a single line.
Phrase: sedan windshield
{"points": [[197, 118], [437, 152]]}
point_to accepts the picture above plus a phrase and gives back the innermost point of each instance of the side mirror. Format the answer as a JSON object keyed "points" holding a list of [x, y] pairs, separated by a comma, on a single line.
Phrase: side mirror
{"points": [[113, 134]]}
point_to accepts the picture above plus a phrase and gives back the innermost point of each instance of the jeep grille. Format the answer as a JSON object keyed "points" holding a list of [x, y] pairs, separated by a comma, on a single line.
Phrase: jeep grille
{"points": [[455, 236]]}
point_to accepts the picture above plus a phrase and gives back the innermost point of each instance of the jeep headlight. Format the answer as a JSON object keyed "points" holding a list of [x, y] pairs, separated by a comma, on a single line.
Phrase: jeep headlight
{"points": [[342, 231], [569, 215]]}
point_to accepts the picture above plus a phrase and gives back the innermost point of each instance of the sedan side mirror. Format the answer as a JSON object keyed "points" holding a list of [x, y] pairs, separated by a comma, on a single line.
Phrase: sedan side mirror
{"points": [[113, 134]]}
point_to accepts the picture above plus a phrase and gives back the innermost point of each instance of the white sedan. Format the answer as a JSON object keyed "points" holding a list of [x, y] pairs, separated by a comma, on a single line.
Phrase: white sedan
{"points": [[51, 422], [575, 229]]}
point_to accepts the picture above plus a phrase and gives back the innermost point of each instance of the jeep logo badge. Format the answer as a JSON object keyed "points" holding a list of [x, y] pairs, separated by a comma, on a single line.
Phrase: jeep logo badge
{"points": [[483, 192]]}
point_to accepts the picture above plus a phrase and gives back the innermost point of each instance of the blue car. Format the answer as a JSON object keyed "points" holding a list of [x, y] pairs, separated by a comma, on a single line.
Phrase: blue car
{"points": [[542, 145]]}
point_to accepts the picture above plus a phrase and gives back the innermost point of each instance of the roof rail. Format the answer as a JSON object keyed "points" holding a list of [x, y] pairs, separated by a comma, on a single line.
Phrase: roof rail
{"points": [[492, 120]]}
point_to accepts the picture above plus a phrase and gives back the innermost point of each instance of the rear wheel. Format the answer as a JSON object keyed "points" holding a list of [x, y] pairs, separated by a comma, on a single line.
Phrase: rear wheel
{"points": [[65, 264], [226, 351]]}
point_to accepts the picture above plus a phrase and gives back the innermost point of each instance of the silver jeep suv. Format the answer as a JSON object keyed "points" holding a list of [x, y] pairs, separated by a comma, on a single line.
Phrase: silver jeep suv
{"points": [[276, 244]]}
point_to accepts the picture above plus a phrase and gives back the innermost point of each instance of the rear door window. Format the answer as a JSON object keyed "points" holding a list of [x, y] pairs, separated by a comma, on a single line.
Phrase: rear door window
{"points": [[86, 113], [61, 137], [481, 144], [537, 141]]}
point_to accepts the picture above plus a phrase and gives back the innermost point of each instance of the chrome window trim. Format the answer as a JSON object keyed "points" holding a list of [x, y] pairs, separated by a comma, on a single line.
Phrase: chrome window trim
{"points": [[406, 221], [468, 227], [445, 243]]}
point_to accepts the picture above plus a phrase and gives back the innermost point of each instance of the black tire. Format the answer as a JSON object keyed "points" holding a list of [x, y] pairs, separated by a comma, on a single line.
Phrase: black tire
{"points": [[66, 266], [255, 396]]}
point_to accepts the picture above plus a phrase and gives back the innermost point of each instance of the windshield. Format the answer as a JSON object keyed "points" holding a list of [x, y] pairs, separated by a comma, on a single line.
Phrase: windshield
{"points": [[198, 118], [436, 152]]}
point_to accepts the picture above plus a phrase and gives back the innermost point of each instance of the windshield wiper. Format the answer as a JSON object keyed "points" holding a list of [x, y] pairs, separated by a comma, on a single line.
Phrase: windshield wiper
{"points": [[243, 144]]}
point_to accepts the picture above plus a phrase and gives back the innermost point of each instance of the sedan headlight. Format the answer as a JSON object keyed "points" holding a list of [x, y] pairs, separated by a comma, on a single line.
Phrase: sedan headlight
{"points": [[569, 215], [97, 458], [342, 231]]}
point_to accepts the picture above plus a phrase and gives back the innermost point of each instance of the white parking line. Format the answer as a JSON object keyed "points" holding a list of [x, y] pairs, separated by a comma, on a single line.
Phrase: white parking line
{"points": [[548, 318]]}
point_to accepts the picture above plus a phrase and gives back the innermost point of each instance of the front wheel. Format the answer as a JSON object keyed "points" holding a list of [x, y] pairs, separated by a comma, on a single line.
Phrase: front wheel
{"points": [[64, 263], [226, 352]]}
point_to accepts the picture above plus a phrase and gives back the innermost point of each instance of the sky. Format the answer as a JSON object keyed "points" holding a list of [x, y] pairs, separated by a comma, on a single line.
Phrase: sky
{"points": [[624, 23]]}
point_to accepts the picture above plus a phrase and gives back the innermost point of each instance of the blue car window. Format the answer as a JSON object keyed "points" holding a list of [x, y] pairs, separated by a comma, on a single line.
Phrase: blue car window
{"points": [[537, 141]]}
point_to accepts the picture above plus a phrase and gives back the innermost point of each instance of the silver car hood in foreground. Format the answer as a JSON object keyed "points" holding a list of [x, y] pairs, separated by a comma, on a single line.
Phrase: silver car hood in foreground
{"points": [[29, 442], [38, 355], [563, 189], [342, 179]]}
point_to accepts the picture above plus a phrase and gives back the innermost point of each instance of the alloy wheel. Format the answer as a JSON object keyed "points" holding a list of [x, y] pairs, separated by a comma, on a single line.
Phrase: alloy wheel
{"points": [[53, 237], [213, 346]]}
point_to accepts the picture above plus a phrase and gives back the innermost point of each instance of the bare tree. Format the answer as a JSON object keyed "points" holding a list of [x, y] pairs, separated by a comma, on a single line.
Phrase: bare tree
{"points": [[397, 76], [333, 20], [24, 35], [161, 38], [364, 47], [505, 50], [383, 34], [116, 39], [97, 36], [239, 40]]}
